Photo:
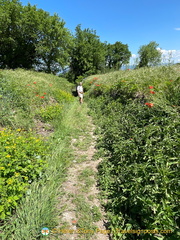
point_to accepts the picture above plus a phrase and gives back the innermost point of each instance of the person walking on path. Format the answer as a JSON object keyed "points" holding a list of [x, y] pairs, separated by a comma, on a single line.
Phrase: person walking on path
{"points": [[80, 92]]}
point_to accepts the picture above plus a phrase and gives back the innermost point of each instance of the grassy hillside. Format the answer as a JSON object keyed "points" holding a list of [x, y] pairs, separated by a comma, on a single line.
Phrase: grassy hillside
{"points": [[25, 96], [137, 118], [38, 114]]}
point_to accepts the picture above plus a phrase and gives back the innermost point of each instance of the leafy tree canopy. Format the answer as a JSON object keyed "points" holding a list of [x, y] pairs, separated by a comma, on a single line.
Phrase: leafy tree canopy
{"points": [[31, 38], [117, 55], [87, 53], [149, 55]]}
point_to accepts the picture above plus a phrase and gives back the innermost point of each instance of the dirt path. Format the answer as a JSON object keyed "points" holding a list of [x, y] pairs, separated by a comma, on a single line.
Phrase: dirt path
{"points": [[82, 216]]}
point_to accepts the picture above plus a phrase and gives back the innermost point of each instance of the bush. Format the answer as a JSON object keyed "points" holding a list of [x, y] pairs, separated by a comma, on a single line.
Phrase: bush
{"points": [[50, 112], [22, 158], [139, 139]]}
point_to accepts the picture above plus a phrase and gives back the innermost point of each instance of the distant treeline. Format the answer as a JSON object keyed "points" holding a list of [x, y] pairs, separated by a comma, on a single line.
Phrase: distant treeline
{"points": [[31, 38]]}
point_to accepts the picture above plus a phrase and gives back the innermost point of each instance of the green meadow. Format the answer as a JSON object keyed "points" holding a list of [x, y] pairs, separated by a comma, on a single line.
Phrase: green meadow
{"points": [[137, 117], [136, 114]]}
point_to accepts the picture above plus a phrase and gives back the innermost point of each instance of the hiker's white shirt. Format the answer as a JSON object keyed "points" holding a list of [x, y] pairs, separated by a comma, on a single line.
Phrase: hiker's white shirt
{"points": [[79, 89]]}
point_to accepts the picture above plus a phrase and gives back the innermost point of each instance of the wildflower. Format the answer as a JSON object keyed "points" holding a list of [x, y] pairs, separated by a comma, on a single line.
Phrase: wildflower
{"points": [[74, 221], [149, 104], [44, 93], [8, 156], [42, 97], [37, 95], [28, 85], [97, 85], [131, 138], [151, 87], [50, 84], [34, 82], [9, 181], [152, 92], [17, 174]]}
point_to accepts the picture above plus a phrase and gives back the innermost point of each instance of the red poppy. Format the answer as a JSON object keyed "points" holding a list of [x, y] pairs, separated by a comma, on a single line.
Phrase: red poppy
{"points": [[74, 221], [152, 92], [28, 85], [50, 84], [149, 104], [37, 95], [42, 97], [97, 85], [34, 82], [44, 93], [151, 87]]}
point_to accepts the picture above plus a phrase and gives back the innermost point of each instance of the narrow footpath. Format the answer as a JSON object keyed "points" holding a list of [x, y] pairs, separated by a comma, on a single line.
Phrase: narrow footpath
{"points": [[82, 217]]}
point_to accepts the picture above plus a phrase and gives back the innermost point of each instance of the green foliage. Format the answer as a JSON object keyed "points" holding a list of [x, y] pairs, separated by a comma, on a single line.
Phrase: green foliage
{"points": [[31, 38], [117, 55], [139, 139], [149, 55], [22, 161], [23, 93], [62, 96], [50, 112], [87, 53]]}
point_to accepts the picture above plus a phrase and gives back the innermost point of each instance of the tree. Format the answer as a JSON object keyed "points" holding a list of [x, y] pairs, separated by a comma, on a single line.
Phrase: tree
{"points": [[10, 33], [87, 53], [149, 55], [117, 55], [31, 38], [54, 41]]}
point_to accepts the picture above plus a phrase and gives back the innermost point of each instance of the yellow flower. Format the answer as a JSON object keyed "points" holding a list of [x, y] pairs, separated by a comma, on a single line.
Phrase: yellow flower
{"points": [[9, 181], [2, 168], [8, 156], [17, 174]]}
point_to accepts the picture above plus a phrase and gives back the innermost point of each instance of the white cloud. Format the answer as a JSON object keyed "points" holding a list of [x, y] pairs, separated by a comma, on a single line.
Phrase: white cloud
{"points": [[171, 56], [168, 56], [177, 29]]}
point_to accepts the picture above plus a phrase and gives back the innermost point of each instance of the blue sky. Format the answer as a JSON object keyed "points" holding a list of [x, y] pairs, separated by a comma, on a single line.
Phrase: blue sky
{"points": [[132, 22]]}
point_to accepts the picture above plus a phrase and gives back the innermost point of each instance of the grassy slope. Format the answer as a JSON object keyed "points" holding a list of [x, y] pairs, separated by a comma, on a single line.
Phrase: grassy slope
{"points": [[137, 139], [19, 111], [21, 105], [23, 93]]}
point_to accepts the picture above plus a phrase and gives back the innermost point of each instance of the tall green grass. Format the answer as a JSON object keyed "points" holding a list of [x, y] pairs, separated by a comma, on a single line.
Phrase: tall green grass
{"points": [[24, 93], [137, 114], [39, 207], [35, 103]]}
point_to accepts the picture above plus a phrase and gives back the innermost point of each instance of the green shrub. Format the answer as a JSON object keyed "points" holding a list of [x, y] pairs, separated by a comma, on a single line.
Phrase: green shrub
{"points": [[50, 112], [62, 96], [22, 158], [139, 140]]}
